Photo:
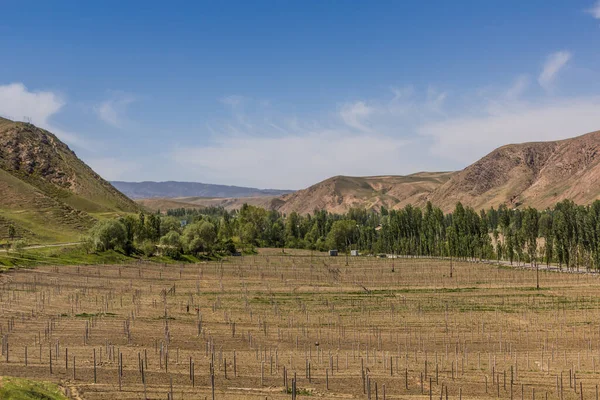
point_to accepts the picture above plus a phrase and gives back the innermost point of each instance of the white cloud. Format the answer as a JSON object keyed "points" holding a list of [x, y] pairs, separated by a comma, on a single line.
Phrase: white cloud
{"points": [[112, 111], [435, 99], [595, 10], [468, 137], [233, 100], [553, 65], [408, 131], [293, 161], [355, 115], [520, 84], [18, 103]]}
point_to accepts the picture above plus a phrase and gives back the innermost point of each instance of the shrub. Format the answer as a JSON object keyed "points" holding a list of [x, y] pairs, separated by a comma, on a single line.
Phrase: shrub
{"points": [[148, 248], [19, 246]]}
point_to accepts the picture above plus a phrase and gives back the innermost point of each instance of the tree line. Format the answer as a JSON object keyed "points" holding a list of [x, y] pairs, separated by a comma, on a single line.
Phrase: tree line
{"points": [[566, 234]]}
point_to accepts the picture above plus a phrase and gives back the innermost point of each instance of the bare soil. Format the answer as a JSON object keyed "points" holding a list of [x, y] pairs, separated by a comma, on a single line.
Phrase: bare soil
{"points": [[403, 324]]}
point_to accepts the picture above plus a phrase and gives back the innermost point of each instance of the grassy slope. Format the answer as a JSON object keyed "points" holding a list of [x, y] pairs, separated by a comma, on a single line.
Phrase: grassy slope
{"points": [[46, 191], [75, 255], [36, 215], [23, 389]]}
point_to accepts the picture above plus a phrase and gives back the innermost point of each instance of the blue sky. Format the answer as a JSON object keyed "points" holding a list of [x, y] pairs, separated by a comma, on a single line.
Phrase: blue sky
{"points": [[283, 94]]}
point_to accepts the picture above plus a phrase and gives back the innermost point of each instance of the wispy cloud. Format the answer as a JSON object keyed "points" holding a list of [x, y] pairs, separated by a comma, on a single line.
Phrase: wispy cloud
{"points": [[355, 114], [466, 137], [595, 10], [553, 65], [520, 84], [402, 131], [292, 161], [113, 110], [20, 104], [233, 100]]}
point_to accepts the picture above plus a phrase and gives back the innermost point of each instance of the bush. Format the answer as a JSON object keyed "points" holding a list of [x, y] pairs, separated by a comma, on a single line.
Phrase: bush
{"points": [[19, 246], [87, 244], [227, 247], [148, 248]]}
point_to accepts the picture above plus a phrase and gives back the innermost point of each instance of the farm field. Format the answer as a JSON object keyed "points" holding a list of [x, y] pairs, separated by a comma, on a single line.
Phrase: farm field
{"points": [[377, 328]]}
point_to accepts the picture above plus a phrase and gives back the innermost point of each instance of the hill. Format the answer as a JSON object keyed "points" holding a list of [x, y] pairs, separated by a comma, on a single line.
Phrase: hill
{"points": [[172, 189], [336, 195], [537, 174], [340, 193], [48, 193]]}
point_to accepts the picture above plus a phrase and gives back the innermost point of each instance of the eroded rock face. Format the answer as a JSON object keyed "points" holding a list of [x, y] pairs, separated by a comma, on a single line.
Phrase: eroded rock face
{"points": [[32, 151], [533, 174], [39, 157]]}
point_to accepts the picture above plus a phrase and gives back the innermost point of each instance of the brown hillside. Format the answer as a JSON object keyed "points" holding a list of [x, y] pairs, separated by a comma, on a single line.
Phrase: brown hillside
{"points": [[340, 193], [535, 174], [336, 195]]}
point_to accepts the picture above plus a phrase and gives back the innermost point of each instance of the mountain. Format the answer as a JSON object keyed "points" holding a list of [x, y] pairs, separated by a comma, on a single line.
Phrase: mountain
{"points": [[48, 193], [340, 193], [171, 189], [537, 174], [336, 195]]}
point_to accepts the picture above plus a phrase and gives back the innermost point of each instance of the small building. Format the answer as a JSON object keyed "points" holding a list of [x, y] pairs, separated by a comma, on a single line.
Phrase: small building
{"points": [[333, 253], [354, 253]]}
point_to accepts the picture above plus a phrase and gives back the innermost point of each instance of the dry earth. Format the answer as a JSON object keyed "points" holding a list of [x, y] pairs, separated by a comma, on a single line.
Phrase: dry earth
{"points": [[402, 323]]}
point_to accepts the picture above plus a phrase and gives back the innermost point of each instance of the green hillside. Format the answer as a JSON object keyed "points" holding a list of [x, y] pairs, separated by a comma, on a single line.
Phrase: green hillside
{"points": [[46, 192]]}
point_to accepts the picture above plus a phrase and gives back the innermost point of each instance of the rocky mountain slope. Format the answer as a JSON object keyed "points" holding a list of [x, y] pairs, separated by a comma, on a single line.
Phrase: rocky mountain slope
{"points": [[537, 174], [47, 192], [340, 193]]}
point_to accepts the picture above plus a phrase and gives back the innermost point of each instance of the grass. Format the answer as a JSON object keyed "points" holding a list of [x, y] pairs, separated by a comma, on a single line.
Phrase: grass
{"points": [[23, 389], [75, 255]]}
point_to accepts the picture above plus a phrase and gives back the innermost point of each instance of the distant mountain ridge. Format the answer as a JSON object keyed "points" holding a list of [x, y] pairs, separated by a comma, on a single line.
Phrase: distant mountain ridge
{"points": [[336, 195], [174, 189], [536, 174]]}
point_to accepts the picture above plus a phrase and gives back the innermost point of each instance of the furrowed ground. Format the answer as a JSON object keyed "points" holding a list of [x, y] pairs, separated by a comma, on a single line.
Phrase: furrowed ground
{"points": [[392, 328]]}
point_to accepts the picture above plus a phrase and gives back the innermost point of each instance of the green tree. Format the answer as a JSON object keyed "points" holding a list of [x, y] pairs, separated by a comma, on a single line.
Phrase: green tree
{"points": [[12, 232], [342, 234], [199, 237], [171, 245], [108, 235], [148, 248]]}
